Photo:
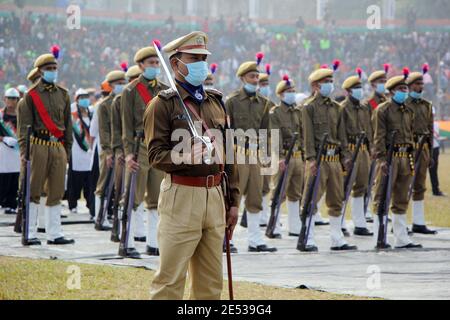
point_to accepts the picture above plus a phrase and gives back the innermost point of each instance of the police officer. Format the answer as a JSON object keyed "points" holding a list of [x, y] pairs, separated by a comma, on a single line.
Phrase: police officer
{"points": [[46, 108], [423, 125], [249, 111], [377, 80], [135, 99], [286, 117], [191, 207], [395, 115], [322, 115], [116, 80], [357, 119]]}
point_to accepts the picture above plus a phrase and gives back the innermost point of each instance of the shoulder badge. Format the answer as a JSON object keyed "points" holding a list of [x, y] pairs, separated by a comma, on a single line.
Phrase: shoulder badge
{"points": [[167, 94]]}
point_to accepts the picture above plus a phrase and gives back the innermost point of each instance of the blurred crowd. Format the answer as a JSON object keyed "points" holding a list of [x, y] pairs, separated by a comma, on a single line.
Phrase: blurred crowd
{"points": [[88, 54]]}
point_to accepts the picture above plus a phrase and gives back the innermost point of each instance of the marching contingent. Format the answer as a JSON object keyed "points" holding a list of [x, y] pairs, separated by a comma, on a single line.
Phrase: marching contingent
{"points": [[369, 154]]}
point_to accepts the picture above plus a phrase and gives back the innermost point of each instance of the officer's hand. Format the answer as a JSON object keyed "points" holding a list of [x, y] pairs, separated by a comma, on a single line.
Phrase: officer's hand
{"points": [[384, 168], [347, 164], [313, 167], [121, 159], [109, 161], [232, 219], [282, 165], [132, 165]]}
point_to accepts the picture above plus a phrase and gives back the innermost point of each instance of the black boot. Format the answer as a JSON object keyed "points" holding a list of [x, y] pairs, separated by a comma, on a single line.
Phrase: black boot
{"points": [[41, 230], [152, 251], [262, 248], [362, 232], [345, 247], [32, 242], [131, 253], [386, 246], [309, 248], [102, 228], [321, 223], [61, 241], [140, 239], [411, 246], [422, 229]]}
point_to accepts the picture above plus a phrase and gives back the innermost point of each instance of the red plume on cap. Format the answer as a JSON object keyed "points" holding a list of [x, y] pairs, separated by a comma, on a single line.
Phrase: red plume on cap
{"points": [[425, 68], [259, 57], [268, 69], [214, 68], [124, 66], [324, 66], [55, 51], [286, 78], [406, 72], [336, 64], [359, 72], [386, 67], [157, 43]]}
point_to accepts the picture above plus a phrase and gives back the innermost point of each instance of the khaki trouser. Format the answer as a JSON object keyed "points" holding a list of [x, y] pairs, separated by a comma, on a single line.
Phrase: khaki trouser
{"points": [[401, 179], [250, 184], [190, 235], [102, 175], [294, 183], [266, 185], [362, 167], [118, 178], [420, 183], [331, 183], [48, 168]]}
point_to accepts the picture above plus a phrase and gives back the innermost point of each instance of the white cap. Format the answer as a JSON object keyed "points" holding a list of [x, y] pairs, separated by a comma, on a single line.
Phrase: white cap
{"points": [[22, 88], [12, 93], [81, 92]]}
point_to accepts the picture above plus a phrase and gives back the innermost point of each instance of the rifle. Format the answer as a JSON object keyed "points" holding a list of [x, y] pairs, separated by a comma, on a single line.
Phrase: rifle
{"points": [[383, 206], [350, 178], [115, 231], [129, 197], [105, 198], [279, 191], [417, 161], [368, 194], [309, 203]]}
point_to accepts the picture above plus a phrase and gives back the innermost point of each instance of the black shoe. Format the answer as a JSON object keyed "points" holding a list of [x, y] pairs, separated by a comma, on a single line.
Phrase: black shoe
{"points": [[386, 246], [275, 236], [152, 251], [362, 232], [411, 246], [10, 211], [233, 249], [32, 242], [294, 234], [140, 239], [369, 220], [422, 229], [309, 248], [61, 241], [263, 225], [345, 232], [131, 253], [321, 223], [439, 194], [41, 230], [63, 216], [102, 228], [345, 247], [262, 248]]}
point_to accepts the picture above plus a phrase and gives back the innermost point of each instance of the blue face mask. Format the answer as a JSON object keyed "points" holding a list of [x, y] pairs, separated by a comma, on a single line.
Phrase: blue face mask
{"points": [[250, 88], [84, 103], [265, 91], [380, 88], [289, 98], [118, 88], [197, 72], [50, 76], [400, 97], [416, 95], [357, 93], [151, 73], [326, 89]]}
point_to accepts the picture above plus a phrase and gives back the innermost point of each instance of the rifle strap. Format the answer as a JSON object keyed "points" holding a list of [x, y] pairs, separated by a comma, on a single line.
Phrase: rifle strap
{"points": [[43, 114]]}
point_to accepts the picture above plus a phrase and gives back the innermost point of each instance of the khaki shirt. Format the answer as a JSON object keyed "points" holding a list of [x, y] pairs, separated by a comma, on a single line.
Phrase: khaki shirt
{"points": [[288, 119], [322, 115], [57, 104], [116, 126], [391, 116], [423, 117], [104, 123], [357, 118], [165, 115], [133, 108]]}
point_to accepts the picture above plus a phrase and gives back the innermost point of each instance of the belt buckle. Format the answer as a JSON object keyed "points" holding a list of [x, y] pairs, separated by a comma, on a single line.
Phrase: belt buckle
{"points": [[208, 179], [331, 152], [403, 149], [53, 139]]}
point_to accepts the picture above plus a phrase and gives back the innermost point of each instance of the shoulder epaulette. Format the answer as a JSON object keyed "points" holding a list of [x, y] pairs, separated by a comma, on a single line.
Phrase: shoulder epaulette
{"points": [[130, 86], [215, 92], [167, 94]]}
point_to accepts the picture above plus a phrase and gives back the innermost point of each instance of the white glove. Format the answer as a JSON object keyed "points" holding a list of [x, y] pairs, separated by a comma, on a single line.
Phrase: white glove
{"points": [[9, 141]]}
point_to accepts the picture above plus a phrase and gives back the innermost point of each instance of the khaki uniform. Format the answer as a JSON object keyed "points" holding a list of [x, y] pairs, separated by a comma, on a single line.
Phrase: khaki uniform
{"points": [[357, 118], [388, 117], [423, 125], [116, 140], [132, 114], [322, 115], [249, 112], [288, 121], [267, 179], [192, 219]]}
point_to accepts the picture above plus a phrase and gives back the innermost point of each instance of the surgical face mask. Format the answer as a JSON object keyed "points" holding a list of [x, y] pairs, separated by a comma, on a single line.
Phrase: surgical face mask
{"points": [[289, 98], [150, 73], [380, 88], [326, 89], [250, 88], [197, 72], [118, 88], [265, 91], [84, 103], [50, 76], [400, 97], [357, 93], [416, 95]]}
